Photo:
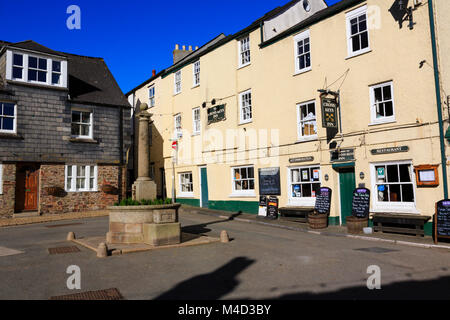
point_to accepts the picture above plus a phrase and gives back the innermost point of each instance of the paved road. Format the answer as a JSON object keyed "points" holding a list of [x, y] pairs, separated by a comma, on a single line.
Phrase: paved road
{"points": [[260, 263]]}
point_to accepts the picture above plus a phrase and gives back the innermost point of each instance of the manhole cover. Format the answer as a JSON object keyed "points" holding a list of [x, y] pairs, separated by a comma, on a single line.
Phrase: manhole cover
{"points": [[108, 294], [61, 250], [64, 225], [376, 250]]}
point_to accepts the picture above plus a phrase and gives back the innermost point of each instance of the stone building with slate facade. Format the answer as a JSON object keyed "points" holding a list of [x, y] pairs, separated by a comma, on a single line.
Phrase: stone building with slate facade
{"points": [[64, 132]]}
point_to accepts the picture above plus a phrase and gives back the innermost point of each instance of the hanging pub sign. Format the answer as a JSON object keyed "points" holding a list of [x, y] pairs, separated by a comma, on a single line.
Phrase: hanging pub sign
{"points": [[216, 114], [442, 220], [329, 113], [323, 201], [361, 203], [272, 208], [269, 182]]}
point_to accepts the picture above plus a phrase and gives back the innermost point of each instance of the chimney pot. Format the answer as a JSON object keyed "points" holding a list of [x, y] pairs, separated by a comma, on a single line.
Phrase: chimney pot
{"points": [[153, 72], [196, 47], [184, 48], [190, 48], [177, 47]]}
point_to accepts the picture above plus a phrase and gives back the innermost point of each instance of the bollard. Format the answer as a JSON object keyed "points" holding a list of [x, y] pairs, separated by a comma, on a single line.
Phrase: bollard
{"points": [[71, 236], [102, 250], [224, 237]]}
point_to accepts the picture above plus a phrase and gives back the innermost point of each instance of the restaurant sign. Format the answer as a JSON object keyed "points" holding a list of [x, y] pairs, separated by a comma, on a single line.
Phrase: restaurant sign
{"points": [[216, 114], [389, 150], [329, 113]]}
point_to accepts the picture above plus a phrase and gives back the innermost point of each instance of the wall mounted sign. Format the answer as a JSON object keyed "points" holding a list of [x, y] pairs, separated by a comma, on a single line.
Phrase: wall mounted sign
{"points": [[329, 113], [389, 150], [323, 201], [269, 182], [442, 220], [427, 176], [342, 155], [216, 114], [361, 203], [301, 159]]}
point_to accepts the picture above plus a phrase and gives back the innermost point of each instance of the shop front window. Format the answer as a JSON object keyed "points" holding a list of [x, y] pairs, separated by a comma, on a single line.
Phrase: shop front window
{"points": [[304, 185]]}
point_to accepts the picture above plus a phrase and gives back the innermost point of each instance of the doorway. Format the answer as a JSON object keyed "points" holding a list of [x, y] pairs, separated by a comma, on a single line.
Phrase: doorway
{"points": [[347, 185], [204, 196], [27, 187]]}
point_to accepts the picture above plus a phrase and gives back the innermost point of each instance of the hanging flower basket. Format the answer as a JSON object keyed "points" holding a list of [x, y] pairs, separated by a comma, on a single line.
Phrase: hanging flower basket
{"points": [[108, 189], [53, 190]]}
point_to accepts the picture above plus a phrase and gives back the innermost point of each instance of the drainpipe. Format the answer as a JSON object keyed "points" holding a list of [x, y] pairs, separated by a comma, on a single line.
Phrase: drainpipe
{"points": [[438, 96]]}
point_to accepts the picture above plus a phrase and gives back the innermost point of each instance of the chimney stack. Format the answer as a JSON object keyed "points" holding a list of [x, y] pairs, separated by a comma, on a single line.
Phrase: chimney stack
{"points": [[180, 54]]}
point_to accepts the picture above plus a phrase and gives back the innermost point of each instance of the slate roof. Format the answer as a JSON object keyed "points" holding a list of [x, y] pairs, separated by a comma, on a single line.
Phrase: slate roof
{"points": [[89, 79]]}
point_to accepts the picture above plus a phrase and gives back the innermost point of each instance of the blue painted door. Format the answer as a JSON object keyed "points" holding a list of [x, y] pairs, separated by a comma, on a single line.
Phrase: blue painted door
{"points": [[204, 184]]}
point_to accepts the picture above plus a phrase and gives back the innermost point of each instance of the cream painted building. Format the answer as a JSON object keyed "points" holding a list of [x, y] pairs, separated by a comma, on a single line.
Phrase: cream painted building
{"points": [[251, 101]]}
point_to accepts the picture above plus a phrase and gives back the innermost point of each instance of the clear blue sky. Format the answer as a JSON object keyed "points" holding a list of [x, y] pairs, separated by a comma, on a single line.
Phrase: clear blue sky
{"points": [[133, 36]]}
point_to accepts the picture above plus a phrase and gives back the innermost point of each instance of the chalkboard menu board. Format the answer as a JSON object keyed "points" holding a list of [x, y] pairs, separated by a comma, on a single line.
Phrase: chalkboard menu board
{"points": [[272, 208], [361, 203], [442, 219], [269, 182], [323, 201]]}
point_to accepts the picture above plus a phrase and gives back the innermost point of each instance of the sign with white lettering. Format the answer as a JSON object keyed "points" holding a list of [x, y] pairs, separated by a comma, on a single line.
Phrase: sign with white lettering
{"points": [[329, 113], [216, 114], [389, 150]]}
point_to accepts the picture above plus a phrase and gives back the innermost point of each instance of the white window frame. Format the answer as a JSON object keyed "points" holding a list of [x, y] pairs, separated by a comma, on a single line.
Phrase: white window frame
{"points": [[151, 96], [349, 16], [302, 37], [241, 107], [1, 178], [302, 137], [14, 131], [185, 194], [196, 74], [177, 82], [73, 186], [373, 104], [25, 68], [244, 47], [243, 193], [303, 201], [394, 207], [37, 69], [178, 130], [91, 123], [196, 123]]}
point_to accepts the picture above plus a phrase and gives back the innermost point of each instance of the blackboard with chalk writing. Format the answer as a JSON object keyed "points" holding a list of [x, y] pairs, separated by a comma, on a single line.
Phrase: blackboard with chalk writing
{"points": [[361, 203], [442, 219], [323, 201]]}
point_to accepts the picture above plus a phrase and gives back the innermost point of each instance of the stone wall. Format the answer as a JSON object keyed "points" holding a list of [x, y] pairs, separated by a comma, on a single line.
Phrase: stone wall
{"points": [[54, 175], [9, 189]]}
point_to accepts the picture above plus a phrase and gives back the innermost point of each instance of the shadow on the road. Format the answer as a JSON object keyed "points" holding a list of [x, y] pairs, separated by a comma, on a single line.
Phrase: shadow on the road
{"points": [[201, 228], [436, 289], [210, 286]]}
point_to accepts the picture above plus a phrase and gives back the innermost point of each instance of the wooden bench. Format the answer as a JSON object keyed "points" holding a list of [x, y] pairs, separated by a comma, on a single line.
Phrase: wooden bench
{"points": [[400, 223], [296, 214]]}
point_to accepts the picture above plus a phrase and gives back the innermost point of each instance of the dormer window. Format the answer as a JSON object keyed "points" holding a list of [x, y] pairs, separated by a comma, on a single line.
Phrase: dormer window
{"points": [[35, 68]]}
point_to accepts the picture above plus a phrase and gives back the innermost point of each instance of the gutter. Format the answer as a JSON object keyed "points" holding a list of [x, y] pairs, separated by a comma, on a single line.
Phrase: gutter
{"points": [[438, 96]]}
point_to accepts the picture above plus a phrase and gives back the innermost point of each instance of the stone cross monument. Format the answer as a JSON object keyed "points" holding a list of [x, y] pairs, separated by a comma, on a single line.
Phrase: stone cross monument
{"points": [[144, 188]]}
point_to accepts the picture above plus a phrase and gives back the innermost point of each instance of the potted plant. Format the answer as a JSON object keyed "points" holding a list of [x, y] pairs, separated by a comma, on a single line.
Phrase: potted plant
{"points": [[317, 220]]}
